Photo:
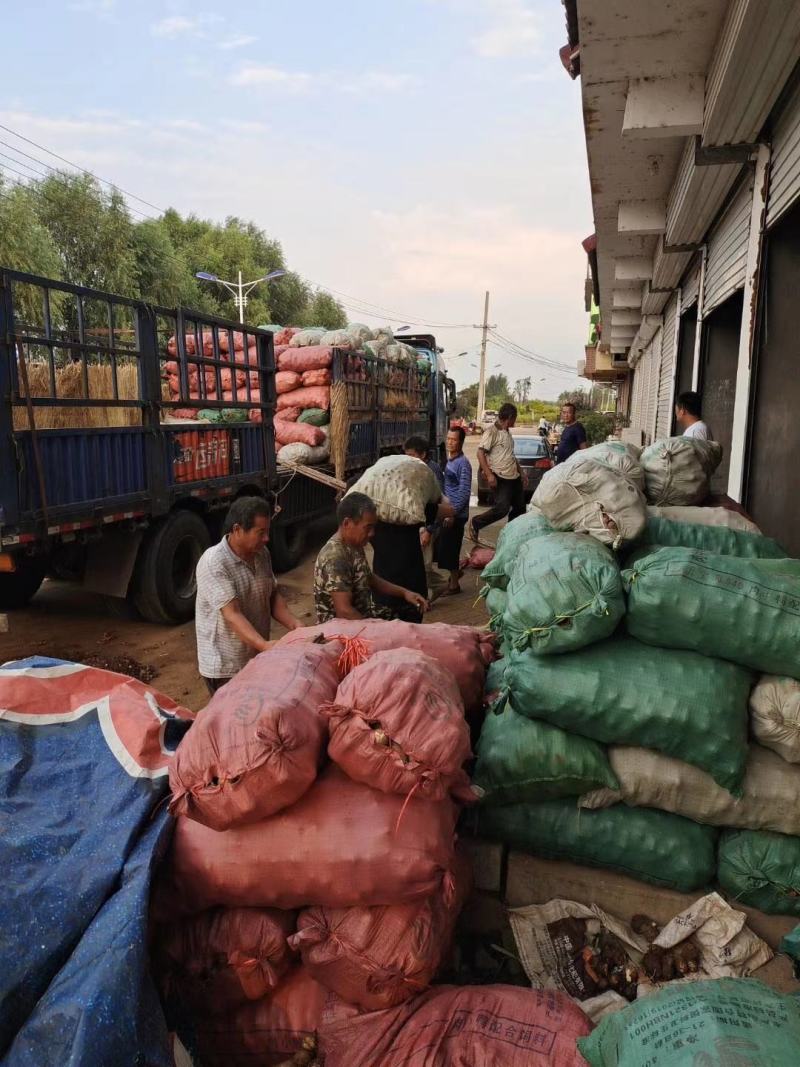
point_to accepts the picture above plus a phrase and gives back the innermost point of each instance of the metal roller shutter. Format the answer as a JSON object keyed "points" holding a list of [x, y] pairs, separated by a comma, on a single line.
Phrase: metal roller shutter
{"points": [[650, 363], [667, 373], [784, 179], [638, 393], [727, 250], [689, 288]]}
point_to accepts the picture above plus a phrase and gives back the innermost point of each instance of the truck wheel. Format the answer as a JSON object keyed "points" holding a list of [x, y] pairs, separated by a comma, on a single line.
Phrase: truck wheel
{"points": [[164, 582], [18, 587], [287, 542]]}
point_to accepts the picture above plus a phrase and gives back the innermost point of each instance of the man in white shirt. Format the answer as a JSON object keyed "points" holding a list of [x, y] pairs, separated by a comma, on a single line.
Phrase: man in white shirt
{"points": [[687, 415], [236, 593]]}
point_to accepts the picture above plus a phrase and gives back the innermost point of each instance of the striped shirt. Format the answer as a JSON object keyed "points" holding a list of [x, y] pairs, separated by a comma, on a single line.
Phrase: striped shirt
{"points": [[222, 576]]}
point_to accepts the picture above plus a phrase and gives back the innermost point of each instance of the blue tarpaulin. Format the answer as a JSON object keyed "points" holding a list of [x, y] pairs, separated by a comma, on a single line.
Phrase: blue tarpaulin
{"points": [[84, 755]]}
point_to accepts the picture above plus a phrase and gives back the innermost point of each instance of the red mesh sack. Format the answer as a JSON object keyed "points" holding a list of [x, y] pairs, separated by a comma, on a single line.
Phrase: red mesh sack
{"points": [[287, 433], [225, 956], [286, 380], [312, 396], [184, 413], [313, 357], [465, 650], [379, 957], [256, 746], [270, 1031], [342, 844], [478, 559], [284, 336], [451, 1026], [317, 377], [398, 724]]}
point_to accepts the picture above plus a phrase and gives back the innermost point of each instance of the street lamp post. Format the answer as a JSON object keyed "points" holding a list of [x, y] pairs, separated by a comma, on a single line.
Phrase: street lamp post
{"points": [[240, 290]]}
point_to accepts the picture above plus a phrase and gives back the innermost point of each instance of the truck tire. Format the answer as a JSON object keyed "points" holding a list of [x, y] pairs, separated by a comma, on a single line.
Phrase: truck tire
{"points": [[18, 587], [287, 542], [164, 583]]}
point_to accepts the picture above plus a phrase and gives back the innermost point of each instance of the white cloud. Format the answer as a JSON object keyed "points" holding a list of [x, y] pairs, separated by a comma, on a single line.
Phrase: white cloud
{"points": [[260, 75], [184, 25], [513, 30], [236, 40]]}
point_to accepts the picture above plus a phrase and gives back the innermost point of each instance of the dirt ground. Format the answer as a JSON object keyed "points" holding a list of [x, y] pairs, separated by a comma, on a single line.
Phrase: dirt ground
{"points": [[65, 622]]}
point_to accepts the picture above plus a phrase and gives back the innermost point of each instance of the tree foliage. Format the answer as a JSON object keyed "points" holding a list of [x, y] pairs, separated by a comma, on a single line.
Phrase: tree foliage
{"points": [[70, 228]]}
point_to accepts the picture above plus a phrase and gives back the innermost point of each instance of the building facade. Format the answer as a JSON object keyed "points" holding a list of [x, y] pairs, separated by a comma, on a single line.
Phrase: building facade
{"points": [[692, 121]]}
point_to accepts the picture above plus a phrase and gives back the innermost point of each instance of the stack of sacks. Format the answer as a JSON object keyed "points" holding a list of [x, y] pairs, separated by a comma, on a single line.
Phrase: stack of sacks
{"points": [[233, 380], [299, 894], [553, 714], [743, 608]]}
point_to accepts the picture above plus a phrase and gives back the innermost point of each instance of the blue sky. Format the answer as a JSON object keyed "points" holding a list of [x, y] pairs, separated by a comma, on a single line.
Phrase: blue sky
{"points": [[410, 154]]}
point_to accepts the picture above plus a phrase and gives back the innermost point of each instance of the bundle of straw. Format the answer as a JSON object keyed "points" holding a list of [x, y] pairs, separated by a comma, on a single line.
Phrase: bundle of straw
{"points": [[340, 428], [70, 385]]}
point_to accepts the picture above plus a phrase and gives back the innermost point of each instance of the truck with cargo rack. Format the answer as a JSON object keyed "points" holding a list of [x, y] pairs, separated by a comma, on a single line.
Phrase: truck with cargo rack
{"points": [[104, 481]]}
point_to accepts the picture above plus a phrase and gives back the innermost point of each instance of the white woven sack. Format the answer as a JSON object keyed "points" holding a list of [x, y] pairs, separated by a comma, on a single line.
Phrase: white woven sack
{"points": [[677, 470], [337, 339], [619, 455], [588, 496], [705, 517], [297, 452], [400, 487], [358, 333], [312, 336], [775, 715], [321, 453], [770, 797]]}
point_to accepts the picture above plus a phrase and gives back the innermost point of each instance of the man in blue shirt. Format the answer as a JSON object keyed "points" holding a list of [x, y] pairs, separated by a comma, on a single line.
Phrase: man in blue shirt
{"points": [[457, 488], [573, 436]]}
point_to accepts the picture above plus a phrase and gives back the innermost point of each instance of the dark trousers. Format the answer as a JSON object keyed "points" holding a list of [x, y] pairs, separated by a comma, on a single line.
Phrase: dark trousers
{"points": [[213, 684], [397, 558], [509, 499]]}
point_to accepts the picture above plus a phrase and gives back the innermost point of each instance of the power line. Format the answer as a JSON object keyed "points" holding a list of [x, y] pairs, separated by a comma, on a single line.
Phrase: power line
{"points": [[36, 183], [555, 364], [76, 166]]}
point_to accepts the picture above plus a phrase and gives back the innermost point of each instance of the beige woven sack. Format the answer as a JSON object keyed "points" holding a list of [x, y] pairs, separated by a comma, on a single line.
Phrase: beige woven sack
{"points": [[698, 516], [770, 792], [775, 715], [677, 470], [588, 496], [400, 487]]}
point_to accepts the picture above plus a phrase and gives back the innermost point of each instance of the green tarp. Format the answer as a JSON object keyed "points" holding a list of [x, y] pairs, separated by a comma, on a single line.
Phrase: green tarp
{"points": [[623, 692], [743, 610], [652, 846]]}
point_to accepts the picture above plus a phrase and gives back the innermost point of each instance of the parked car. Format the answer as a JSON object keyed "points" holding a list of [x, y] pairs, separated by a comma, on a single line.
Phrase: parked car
{"points": [[535, 457], [489, 418]]}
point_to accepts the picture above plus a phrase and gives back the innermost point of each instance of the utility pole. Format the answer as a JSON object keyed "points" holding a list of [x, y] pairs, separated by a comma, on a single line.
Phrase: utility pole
{"points": [[482, 381]]}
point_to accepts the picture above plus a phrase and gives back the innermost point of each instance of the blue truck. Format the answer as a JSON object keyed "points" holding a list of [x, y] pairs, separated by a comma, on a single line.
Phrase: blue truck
{"points": [[101, 483]]}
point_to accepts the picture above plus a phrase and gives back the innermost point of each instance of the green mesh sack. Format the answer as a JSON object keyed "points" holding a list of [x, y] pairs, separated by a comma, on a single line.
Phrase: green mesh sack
{"points": [[719, 1022], [743, 610], [653, 846], [761, 869], [523, 760], [565, 592], [315, 417], [496, 600], [223, 414], [622, 692], [512, 537], [718, 540]]}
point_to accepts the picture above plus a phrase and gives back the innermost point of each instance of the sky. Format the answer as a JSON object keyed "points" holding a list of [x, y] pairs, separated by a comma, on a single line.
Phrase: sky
{"points": [[410, 154]]}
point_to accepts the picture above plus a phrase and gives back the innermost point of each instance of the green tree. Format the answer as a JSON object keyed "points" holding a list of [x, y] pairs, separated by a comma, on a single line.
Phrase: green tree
{"points": [[26, 245], [467, 402], [323, 310], [162, 275], [91, 229], [581, 398], [497, 386]]}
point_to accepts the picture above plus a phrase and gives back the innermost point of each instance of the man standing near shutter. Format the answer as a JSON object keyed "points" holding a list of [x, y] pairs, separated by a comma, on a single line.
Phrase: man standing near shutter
{"points": [[499, 465]]}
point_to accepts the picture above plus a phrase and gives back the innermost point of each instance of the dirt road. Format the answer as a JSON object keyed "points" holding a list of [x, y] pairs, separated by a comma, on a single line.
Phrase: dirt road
{"points": [[65, 622]]}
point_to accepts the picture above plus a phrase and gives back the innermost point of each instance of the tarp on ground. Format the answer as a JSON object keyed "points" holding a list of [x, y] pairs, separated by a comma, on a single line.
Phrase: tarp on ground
{"points": [[84, 755]]}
